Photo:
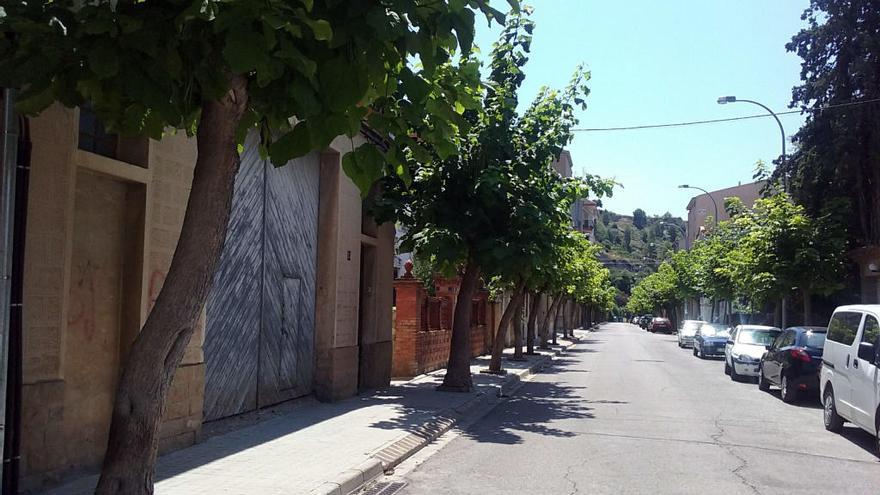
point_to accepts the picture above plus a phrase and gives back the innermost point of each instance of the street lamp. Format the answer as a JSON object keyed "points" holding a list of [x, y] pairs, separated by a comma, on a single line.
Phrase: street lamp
{"points": [[679, 227], [732, 99], [685, 186]]}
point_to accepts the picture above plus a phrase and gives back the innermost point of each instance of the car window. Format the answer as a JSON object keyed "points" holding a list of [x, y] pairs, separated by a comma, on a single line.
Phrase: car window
{"points": [[777, 342], [788, 338], [813, 339], [757, 337], [872, 330], [843, 327]]}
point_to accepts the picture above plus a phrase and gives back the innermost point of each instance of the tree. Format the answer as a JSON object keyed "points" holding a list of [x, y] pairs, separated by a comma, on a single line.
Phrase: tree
{"points": [[640, 220], [297, 73], [496, 207], [780, 249], [627, 239], [838, 151]]}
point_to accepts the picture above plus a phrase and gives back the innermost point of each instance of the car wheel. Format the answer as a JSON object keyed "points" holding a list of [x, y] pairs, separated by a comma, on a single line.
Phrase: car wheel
{"points": [[734, 375], [833, 421], [763, 383], [726, 368], [877, 430], [788, 393]]}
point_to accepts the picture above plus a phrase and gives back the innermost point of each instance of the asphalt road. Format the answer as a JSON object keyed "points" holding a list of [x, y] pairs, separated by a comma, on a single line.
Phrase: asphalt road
{"points": [[629, 412]]}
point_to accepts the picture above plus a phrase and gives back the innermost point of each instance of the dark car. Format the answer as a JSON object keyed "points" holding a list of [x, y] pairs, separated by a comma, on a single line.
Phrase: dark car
{"points": [[660, 325], [644, 320], [792, 362], [710, 340]]}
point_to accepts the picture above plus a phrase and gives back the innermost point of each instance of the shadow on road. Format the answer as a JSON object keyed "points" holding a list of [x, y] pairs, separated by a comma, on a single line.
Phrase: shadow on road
{"points": [[532, 410], [861, 438]]}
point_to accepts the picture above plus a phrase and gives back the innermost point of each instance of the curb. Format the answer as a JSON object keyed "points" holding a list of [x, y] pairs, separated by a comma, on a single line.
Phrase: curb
{"points": [[400, 450]]}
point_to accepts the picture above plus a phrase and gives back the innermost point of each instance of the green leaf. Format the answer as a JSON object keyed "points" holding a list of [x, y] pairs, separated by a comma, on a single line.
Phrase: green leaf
{"points": [[293, 144], [244, 50], [364, 166], [103, 60], [322, 30]]}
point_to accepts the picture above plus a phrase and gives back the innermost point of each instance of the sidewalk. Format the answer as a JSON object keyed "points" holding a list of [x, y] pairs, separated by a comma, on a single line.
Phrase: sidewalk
{"points": [[328, 448]]}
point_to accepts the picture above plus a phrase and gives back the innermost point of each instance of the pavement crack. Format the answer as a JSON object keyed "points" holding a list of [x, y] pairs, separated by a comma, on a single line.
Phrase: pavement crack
{"points": [[569, 471], [743, 462]]}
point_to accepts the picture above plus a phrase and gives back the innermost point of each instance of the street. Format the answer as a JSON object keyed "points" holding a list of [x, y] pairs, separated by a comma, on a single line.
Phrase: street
{"points": [[627, 411]]}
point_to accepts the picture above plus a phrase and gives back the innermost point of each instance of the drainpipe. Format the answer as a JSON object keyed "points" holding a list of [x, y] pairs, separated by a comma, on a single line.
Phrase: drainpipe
{"points": [[9, 157]]}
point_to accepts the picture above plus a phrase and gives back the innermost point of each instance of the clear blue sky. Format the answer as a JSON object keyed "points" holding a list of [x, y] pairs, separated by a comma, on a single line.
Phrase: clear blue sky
{"points": [[667, 61]]}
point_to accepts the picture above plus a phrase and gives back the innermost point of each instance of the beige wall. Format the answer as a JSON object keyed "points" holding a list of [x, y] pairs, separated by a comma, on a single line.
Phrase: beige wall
{"points": [[99, 241], [701, 207], [341, 342], [101, 234]]}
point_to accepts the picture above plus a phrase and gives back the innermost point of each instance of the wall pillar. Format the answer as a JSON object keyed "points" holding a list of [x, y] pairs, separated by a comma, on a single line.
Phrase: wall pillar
{"points": [[410, 294]]}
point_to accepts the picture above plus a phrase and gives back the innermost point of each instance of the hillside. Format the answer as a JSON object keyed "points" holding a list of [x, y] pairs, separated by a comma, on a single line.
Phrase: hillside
{"points": [[634, 245]]}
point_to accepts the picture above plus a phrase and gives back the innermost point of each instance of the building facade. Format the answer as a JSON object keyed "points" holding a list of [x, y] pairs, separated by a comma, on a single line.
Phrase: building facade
{"points": [[301, 302], [701, 208]]}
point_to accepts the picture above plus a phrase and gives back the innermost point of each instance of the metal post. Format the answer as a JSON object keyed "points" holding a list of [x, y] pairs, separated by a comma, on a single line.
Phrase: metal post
{"points": [[8, 155]]}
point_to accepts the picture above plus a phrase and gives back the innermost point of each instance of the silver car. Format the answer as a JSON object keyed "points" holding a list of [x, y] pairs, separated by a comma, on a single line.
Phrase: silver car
{"points": [[687, 331], [744, 349]]}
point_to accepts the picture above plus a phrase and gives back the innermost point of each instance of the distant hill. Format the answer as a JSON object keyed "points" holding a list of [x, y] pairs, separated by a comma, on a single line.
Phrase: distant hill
{"points": [[631, 252]]}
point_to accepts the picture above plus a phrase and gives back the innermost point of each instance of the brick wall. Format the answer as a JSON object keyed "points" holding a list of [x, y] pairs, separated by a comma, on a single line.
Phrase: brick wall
{"points": [[423, 326]]}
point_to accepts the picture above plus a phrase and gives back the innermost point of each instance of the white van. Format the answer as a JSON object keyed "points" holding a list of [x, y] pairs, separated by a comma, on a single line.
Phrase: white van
{"points": [[850, 378]]}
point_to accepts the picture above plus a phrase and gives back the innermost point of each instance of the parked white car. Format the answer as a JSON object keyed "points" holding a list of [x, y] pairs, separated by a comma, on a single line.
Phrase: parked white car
{"points": [[687, 331], [744, 349], [850, 377]]}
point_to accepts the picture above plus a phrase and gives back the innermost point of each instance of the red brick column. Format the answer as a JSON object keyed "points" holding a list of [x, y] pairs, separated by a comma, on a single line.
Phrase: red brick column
{"points": [[408, 323]]}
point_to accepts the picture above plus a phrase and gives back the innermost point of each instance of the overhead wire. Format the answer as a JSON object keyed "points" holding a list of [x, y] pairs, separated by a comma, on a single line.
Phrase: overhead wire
{"points": [[728, 119]]}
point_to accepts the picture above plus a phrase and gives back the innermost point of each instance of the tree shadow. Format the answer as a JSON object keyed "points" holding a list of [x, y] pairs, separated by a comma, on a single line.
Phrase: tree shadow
{"points": [[533, 410]]}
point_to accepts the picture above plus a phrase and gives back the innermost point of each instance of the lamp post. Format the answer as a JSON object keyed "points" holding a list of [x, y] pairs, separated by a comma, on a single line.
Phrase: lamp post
{"points": [[685, 186], [733, 99]]}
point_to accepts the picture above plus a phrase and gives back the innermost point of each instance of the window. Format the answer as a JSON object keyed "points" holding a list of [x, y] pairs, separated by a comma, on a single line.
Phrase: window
{"points": [[756, 336], [788, 339], [872, 330], [813, 339], [94, 138], [92, 135], [843, 327]]}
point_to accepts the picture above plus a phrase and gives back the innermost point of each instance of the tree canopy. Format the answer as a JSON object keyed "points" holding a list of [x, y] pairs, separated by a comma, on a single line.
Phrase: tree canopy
{"points": [[837, 151]]}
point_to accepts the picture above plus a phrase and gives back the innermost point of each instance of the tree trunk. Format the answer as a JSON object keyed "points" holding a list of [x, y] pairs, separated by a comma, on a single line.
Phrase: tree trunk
{"points": [[808, 307], [566, 318], [518, 331], [712, 312], [533, 318], [560, 302], [458, 370], [503, 326], [158, 349], [545, 325]]}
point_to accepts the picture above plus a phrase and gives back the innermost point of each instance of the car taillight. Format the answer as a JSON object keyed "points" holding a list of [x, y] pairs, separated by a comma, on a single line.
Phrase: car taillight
{"points": [[800, 355]]}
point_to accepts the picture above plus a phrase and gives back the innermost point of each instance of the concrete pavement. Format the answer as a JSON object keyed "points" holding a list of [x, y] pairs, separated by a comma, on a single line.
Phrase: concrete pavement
{"points": [[629, 412], [306, 447]]}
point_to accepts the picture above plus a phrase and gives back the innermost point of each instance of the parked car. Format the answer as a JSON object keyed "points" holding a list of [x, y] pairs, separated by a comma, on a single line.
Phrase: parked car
{"points": [[660, 325], [850, 379], [643, 321], [687, 331], [744, 349], [710, 340], [792, 362]]}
